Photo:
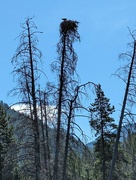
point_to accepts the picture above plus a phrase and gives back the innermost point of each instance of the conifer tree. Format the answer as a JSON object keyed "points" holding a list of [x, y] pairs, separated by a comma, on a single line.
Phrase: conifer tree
{"points": [[5, 140], [104, 126]]}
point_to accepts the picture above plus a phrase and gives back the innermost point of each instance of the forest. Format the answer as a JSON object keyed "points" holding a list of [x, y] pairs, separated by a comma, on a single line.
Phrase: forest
{"points": [[40, 142]]}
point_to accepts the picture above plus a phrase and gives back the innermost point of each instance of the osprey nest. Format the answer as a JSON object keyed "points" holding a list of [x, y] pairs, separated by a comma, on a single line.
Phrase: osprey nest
{"points": [[68, 26]]}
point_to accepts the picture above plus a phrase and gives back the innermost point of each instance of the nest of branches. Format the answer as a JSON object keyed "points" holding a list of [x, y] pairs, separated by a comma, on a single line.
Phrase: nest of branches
{"points": [[68, 26]]}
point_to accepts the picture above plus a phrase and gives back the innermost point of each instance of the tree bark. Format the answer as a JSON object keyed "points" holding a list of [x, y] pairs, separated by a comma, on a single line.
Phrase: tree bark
{"points": [[55, 176], [36, 124], [67, 142], [122, 116]]}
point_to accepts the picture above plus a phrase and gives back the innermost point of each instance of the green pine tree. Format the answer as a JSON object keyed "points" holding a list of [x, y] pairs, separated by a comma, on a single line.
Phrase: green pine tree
{"points": [[5, 139], [129, 149], [104, 126]]}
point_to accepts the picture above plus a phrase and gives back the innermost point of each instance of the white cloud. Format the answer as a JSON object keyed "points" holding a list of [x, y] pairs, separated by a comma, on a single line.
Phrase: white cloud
{"points": [[50, 111]]}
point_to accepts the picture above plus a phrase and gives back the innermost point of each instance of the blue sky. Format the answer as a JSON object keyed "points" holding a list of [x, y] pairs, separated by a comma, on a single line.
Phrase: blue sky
{"points": [[103, 31]]}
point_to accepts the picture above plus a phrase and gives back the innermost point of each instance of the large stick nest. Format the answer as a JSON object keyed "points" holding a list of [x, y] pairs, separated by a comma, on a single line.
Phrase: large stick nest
{"points": [[68, 26]]}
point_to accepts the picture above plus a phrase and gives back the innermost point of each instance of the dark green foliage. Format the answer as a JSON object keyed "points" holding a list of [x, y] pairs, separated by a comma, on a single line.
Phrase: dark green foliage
{"points": [[5, 145], [100, 114], [129, 150], [104, 126]]}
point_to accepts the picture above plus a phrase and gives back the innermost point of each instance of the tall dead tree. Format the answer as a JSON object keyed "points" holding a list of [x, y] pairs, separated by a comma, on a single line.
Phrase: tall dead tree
{"points": [[25, 63], [44, 106], [127, 94], [73, 105], [65, 68]]}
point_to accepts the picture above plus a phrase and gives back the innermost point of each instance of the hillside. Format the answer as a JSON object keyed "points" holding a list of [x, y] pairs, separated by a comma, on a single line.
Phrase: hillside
{"points": [[126, 129], [24, 149]]}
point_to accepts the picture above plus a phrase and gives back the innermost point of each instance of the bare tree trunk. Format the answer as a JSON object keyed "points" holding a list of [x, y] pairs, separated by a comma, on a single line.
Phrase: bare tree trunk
{"points": [[122, 116], [47, 146], [43, 136], [46, 138], [37, 137], [25, 63], [55, 176], [67, 142], [65, 69]]}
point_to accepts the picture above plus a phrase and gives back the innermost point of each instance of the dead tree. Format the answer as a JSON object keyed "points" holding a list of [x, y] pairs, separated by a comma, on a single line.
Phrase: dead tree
{"points": [[65, 68], [25, 63], [128, 93]]}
